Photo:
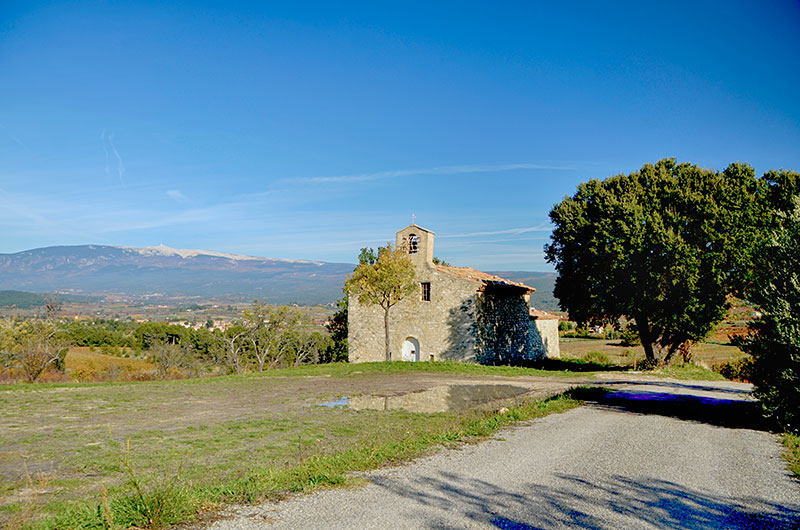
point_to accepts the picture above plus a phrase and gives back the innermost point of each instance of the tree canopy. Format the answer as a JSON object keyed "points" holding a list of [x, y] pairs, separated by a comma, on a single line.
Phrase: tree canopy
{"points": [[337, 327], [774, 339], [383, 278], [665, 246]]}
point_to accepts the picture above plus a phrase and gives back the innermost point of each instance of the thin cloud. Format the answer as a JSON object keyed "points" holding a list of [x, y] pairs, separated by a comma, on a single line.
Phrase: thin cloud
{"points": [[35, 216], [441, 170], [120, 165], [107, 140], [14, 138], [512, 231], [176, 195]]}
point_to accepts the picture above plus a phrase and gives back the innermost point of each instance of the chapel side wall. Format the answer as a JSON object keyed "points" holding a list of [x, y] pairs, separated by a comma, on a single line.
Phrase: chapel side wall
{"points": [[444, 326], [504, 330], [365, 341], [545, 333]]}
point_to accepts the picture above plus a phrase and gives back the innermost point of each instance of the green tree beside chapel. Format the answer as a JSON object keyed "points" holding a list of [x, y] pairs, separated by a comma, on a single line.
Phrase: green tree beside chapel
{"points": [[664, 246]]}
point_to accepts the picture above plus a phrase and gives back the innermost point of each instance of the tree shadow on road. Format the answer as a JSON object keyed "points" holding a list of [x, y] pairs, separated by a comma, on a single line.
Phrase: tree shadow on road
{"points": [[731, 413], [682, 385], [740, 413], [573, 502]]}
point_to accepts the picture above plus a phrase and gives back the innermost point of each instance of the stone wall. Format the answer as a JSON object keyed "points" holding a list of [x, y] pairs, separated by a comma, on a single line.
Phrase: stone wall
{"points": [[443, 326], [544, 337], [503, 328]]}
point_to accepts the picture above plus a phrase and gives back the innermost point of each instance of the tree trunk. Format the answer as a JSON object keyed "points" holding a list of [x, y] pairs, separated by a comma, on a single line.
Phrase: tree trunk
{"points": [[386, 333], [683, 348], [646, 337]]}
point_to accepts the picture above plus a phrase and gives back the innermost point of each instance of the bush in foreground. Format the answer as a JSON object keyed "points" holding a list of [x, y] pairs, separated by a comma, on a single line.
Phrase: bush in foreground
{"points": [[774, 339]]}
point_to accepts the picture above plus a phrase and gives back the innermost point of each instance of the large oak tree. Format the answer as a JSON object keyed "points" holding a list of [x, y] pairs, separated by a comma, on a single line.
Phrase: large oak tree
{"points": [[664, 246]]}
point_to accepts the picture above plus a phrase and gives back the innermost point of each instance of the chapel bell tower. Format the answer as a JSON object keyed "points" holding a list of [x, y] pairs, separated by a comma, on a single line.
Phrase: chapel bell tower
{"points": [[417, 242]]}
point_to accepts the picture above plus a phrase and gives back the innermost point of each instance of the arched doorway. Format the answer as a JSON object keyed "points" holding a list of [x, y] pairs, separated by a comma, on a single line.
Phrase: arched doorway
{"points": [[411, 349]]}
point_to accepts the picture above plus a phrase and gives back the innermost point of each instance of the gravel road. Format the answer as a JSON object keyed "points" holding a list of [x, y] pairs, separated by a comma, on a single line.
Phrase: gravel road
{"points": [[602, 466]]}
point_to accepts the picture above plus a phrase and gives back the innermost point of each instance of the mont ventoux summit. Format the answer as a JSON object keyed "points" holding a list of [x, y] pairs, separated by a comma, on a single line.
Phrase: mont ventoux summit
{"points": [[161, 270]]}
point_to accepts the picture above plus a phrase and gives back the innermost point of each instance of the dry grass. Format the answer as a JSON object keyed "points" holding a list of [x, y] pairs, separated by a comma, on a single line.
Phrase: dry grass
{"points": [[82, 358], [704, 354], [87, 366]]}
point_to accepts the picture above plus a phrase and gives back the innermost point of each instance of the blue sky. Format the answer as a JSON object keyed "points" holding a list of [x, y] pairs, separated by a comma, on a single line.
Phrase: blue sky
{"points": [[310, 130]]}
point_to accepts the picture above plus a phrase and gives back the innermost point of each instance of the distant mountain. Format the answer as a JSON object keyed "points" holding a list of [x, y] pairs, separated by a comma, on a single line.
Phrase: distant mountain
{"points": [[170, 272], [161, 270]]}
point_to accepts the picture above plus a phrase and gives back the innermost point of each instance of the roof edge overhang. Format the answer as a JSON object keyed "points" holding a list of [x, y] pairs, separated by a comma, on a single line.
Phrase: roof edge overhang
{"points": [[417, 227], [488, 287]]}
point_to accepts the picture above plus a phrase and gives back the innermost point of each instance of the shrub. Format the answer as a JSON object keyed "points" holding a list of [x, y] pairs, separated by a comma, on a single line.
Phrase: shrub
{"points": [[83, 375], [597, 357], [735, 370], [629, 337], [774, 339], [792, 444]]}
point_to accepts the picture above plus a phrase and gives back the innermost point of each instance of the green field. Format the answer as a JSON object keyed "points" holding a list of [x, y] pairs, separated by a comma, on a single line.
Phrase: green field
{"points": [[191, 445], [224, 439]]}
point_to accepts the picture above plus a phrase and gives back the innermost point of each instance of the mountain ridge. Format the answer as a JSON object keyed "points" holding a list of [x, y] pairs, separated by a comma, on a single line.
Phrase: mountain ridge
{"points": [[186, 253], [165, 271]]}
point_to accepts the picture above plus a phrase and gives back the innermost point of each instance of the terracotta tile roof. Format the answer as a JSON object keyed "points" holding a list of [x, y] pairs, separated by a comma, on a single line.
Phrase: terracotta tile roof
{"points": [[468, 273], [541, 315]]}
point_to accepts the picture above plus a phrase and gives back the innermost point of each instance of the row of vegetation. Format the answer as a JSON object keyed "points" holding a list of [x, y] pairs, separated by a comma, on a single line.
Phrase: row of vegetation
{"points": [[263, 338]]}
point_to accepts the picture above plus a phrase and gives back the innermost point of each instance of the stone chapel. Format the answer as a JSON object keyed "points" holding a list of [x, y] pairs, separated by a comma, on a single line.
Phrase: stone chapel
{"points": [[457, 314]]}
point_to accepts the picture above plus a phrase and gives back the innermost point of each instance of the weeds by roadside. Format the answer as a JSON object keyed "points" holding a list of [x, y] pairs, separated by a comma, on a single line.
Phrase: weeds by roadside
{"points": [[26, 512], [792, 444], [689, 371]]}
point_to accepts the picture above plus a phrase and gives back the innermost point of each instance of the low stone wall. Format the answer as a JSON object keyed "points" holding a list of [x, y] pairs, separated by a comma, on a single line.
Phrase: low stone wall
{"points": [[544, 335]]}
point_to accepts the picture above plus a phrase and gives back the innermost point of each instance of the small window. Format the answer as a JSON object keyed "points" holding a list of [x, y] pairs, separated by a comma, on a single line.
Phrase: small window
{"points": [[426, 291], [413, 244]]}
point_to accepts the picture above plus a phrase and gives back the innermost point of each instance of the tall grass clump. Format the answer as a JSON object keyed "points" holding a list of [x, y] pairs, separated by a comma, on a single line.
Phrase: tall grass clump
{"points": [[792, 444], [140, 504]]}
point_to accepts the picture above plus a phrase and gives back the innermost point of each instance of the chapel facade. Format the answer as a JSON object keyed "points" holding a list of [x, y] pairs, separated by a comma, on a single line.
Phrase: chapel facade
{"points": [[456, 314]]}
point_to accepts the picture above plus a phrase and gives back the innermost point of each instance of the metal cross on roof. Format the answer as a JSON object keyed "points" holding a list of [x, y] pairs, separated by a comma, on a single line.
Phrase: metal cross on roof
{"points": [[413, 217]]}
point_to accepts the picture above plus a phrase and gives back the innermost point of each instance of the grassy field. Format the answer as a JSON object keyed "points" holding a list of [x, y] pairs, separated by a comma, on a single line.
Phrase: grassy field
{"points": [[72, 452], [216, 440], [705, 354]]}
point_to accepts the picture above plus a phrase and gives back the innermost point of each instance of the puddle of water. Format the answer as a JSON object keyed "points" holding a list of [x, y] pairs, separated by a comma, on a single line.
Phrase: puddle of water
{"points": [[338, 402], [445, 398]]}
